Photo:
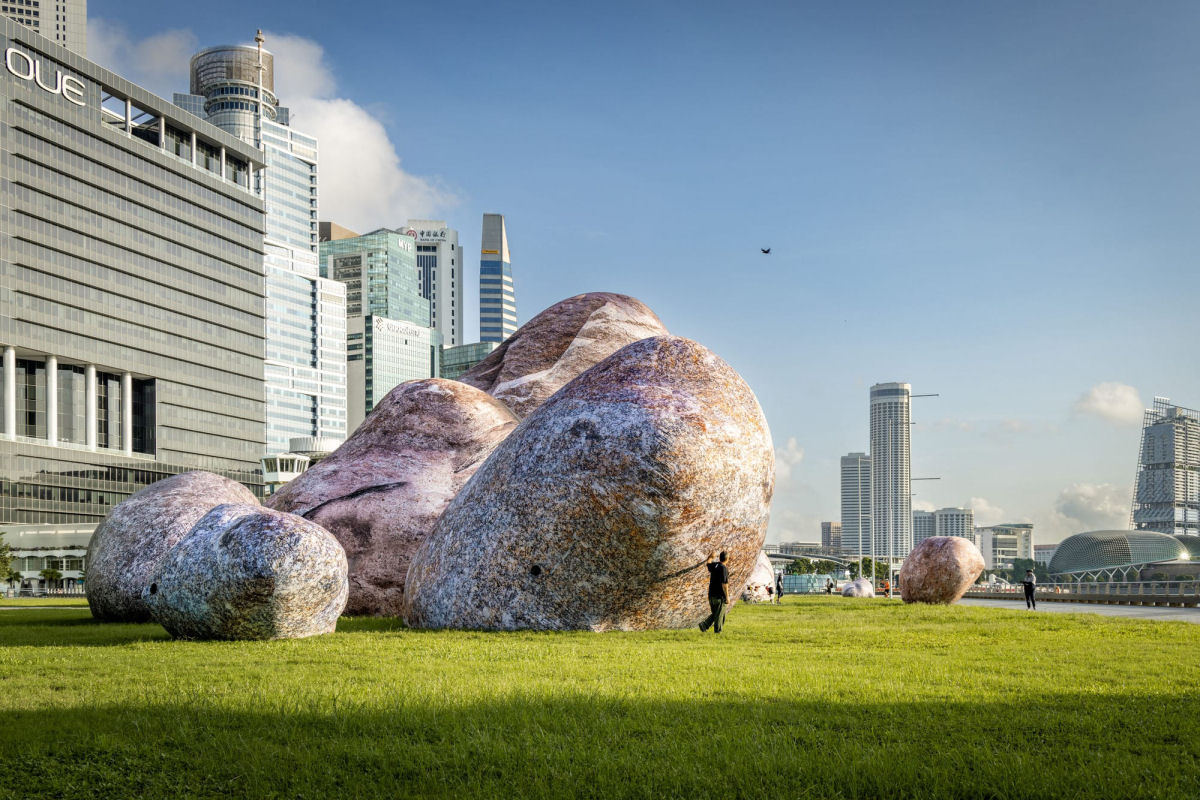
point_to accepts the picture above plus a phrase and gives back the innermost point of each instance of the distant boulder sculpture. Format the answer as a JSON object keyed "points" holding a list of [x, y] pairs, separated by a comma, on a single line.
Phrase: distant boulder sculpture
{"points": [[597, 513], [761, 579], [382, 491], [558, 344], [940, 569], [860, 587], [248, 572], [139, 531]]}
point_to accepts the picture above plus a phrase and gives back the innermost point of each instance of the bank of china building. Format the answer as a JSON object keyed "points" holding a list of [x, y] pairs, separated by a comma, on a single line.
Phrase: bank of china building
{"points": [[131, 297]]}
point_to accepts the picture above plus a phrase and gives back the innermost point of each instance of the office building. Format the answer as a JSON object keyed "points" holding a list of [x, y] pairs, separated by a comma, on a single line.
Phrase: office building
{"points": [[891, 476], [953, 522], [497, 297], [131, 299], [63, 22], [232, 87], [1167, 490], [856, 504], [384, 353], [440, 276], [831, 535], [331, 232], [1043, 553], [1000, 544], [457, 360], [379, 270], [924, 525]]}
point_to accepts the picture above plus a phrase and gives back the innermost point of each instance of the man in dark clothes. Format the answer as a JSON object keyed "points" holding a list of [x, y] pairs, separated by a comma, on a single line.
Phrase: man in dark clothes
{"points": [[718, 593], [779, 588], [1030, 584]]}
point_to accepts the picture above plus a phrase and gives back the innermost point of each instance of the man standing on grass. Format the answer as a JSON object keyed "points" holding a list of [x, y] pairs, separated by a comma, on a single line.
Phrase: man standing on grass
{"points": [[718, 593], [1030, 584], [779, 588]]}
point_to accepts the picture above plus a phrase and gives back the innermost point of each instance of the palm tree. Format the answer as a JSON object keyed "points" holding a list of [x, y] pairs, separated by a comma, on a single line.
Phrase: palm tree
{"points": [[13, 577], [51, 576]]}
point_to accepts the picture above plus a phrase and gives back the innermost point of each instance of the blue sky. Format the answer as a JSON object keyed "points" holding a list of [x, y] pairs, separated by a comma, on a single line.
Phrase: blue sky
{"points": [[993, 201]]}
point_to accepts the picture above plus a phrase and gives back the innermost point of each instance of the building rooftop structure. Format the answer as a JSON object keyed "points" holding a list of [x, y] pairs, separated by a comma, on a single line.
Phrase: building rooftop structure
{"points": [[1115, 553]]}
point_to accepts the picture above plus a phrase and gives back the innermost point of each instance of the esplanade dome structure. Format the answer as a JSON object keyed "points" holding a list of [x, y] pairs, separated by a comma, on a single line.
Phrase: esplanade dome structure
{"points": [[1112, 553]]}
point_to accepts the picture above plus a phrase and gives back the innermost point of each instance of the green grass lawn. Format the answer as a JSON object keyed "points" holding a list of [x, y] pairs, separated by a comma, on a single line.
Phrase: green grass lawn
{"points": [[25, 602], [822, 697]]}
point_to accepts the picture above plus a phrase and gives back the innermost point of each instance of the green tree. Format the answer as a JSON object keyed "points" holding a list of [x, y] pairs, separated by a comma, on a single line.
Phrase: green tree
{"points": [[52, 577]]}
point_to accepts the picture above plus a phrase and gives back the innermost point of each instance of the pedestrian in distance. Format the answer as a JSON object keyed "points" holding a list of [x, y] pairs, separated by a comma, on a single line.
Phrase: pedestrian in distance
{"points": [[779, 588], [718, 593], [1030, 584], [829, 586], [887, 588]]}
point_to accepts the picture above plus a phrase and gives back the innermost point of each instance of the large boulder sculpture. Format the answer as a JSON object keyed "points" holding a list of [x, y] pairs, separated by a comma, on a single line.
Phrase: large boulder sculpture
{"points": [[940, 569], [381, 492], [139, 531], [859, 587], [598, 512], [248, 572], [558, 344], [761, 579]]}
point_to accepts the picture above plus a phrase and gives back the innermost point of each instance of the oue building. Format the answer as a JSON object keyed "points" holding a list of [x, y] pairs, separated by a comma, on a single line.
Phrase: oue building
{"points": [[131, 297]]}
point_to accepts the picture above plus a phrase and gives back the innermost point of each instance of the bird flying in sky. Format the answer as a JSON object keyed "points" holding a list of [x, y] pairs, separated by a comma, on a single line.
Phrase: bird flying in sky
{"points": [[766, 250]]}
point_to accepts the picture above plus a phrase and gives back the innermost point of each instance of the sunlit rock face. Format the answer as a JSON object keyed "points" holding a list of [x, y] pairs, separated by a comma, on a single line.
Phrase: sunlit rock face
{"points": [[559, 344], [381, 492], [762, 578], [940, 569], [248, 572], [598, 512], [860, 587], [137, 533]]}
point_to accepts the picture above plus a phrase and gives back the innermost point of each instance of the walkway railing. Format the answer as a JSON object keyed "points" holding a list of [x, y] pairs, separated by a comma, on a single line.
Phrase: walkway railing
{"points": [[1168, 593]]}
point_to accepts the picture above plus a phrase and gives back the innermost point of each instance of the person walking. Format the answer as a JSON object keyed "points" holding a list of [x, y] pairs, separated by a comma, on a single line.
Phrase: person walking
{"points": [[779, 588], [718, 593], [1030, 584], [829, 586]]}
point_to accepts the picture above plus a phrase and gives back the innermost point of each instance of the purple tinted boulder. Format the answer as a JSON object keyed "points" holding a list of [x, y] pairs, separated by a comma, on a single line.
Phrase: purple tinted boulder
{"points": [[940, 569]]}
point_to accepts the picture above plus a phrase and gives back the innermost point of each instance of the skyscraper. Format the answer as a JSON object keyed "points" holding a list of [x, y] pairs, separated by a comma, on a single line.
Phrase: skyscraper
{"points": [[67, 28], [891, 476], [497, 298], [924, 525], [856, 504], [439, 275], [953, 522], [232, 86], [1167, 490], [831, 535]]}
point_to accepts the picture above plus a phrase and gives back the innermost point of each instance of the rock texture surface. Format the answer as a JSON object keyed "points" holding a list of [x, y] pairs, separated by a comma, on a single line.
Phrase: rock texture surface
{"points": [[247, 572], [940, 569], [558, 344], [860, 587], [137, 533], [599, 510], [381, 492], [761, 578]]}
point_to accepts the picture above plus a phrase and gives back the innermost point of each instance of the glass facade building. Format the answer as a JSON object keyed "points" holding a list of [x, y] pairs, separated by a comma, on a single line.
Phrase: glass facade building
{"points": [[497, 296], [384, 353], [440, 276], [131, 290], [1167, 490], [63, 22], [379, 270], [856, 504], [457, 360], [232, 87], [891, 471]]}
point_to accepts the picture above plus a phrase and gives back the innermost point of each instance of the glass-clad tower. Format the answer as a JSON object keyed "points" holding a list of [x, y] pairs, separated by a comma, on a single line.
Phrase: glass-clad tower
{"points": [[856, 504], [232, 87], [497, 298], [1167, 490], [891, 474]]}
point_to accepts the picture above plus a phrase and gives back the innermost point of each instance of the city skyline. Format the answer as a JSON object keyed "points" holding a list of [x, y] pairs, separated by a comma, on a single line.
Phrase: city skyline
{"points": [[958, 160]]}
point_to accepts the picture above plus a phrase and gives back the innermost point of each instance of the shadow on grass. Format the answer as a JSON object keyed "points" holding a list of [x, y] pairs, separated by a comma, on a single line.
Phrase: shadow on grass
{"points": [[1065, 746]]}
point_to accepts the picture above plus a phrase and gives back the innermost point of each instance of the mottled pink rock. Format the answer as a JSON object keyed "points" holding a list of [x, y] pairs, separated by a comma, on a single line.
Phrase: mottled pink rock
{"points": [[859, 587], [381, 492], [940, 569], [762, 578], [247, 572], [558, 344], [137, 533], [597, 513]]}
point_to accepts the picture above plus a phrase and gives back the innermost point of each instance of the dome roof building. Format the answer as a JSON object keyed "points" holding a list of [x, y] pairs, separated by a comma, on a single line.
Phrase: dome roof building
{"points": [[1115, 553]]}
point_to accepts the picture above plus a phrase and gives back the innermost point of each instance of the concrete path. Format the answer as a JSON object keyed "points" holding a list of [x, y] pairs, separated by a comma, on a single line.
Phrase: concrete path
{"points": [[1130, 612]]}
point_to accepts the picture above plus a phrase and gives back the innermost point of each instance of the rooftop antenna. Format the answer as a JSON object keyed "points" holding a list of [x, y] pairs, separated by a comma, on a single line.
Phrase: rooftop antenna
{"points": [[258, 40]]}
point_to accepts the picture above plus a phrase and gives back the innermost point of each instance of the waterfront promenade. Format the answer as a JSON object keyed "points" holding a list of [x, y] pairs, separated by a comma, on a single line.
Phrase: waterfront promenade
{"points": [[1191, 614]]}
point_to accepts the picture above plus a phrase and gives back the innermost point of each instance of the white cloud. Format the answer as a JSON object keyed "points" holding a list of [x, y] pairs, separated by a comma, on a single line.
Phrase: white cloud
{"points": [[1115, 402], [923, 505], [985, 512], [361, 183], [949, 424], [791, 455], [1089, 507]]}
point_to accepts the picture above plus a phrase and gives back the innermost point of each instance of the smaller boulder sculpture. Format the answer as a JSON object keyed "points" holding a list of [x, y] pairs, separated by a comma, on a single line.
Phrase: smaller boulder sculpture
{"points": [[561, 342], [248, 572], [762, 578], [132, 540], [860, 587], [940, 569]]}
